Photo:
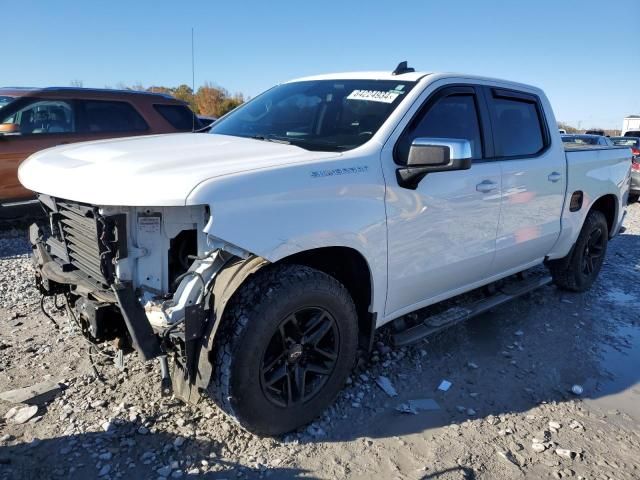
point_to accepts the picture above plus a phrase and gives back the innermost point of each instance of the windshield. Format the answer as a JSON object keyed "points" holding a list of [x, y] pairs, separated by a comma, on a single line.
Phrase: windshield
{"points": [[5, 100], [330, 115]]}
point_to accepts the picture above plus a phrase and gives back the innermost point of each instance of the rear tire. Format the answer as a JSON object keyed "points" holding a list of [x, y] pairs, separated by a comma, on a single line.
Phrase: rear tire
{"points": [[579, 273], [288, 343]]}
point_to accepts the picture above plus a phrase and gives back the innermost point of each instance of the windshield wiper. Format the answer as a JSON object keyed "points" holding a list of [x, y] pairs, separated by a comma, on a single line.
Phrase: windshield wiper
{"points": [[270, 139], [304, 144]]}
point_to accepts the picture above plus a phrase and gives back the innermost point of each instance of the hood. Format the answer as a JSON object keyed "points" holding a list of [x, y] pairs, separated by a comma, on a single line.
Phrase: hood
{"points": [[157, 170]]}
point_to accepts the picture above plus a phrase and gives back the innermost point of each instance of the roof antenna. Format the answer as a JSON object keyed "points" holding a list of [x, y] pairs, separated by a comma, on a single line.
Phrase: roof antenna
{"points": [[193, 82], [402, 68]]}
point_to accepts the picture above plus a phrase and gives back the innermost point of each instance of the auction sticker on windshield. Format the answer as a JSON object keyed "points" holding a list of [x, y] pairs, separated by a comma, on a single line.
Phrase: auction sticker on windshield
{"points": [[374, 96]]}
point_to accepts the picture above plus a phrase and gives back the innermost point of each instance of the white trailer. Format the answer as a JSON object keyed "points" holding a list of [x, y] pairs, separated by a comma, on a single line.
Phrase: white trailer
{"points": [[631, 123]]}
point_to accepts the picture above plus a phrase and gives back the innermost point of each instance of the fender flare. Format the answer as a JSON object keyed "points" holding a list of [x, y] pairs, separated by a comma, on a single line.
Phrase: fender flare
{"points": [[227, 282]]}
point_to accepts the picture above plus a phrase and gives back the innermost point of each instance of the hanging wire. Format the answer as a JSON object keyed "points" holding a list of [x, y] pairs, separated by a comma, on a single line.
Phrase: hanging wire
{"points": [[46, 314], [98, 350], [76, 323]]}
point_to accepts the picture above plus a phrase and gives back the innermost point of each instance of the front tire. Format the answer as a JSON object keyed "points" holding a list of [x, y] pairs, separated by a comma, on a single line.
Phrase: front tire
{"points": [[633, 198], [288, 342], [579, 273]]}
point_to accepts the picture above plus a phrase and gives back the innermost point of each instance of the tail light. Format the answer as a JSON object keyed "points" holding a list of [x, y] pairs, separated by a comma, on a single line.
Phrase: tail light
{"points": [[635, 166], [635, 152]]}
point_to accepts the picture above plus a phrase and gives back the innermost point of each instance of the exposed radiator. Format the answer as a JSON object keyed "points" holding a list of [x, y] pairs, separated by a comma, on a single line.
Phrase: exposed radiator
{"points": [[79, 231]]}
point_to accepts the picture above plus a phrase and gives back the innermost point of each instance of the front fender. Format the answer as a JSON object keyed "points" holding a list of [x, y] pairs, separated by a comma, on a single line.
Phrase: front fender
{"points": [[278, 212]]}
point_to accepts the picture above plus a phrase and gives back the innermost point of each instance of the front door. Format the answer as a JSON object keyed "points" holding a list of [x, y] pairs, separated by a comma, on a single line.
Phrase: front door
{"points": [[441, 236], [36, 125]]}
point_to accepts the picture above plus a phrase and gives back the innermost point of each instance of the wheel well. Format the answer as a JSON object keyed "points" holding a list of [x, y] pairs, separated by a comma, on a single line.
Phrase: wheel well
{"points": [[608, 206], [350, 268]]}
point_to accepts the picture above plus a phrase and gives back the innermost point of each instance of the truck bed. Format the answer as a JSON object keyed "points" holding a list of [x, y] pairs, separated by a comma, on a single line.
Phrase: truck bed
{"points": [[595, 171], [572, 147], [598, 170]]}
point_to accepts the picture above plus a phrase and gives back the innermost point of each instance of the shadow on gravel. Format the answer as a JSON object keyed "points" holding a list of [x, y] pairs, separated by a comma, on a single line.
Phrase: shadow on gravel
{"points": [[20, 216], [14, 242], [517, 356], [77, 457], [466, 473]]}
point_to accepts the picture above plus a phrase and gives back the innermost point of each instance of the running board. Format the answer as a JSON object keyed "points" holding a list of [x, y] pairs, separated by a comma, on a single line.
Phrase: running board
{"points": [[440, 321]]}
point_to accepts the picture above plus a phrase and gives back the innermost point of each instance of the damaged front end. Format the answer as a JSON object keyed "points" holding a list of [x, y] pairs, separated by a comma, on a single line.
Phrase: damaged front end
{"points": [[141, 277]]}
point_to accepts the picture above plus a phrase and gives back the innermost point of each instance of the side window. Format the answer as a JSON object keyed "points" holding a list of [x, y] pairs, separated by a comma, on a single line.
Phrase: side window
{"points": [[517, 127], [179, 116], [108, 116], [453, 116], [41, 117]]}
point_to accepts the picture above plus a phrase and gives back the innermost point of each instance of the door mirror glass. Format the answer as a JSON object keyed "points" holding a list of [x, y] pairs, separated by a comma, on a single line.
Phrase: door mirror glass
{"points": [[9, 129]]}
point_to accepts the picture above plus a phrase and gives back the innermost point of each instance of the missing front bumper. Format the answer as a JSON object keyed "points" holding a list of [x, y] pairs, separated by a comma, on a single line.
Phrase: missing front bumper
{"points": [[53, 279]]}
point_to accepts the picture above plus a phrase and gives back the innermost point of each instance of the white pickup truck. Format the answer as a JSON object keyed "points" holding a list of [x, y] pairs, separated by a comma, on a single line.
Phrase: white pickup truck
{"points": [[254, 260]]}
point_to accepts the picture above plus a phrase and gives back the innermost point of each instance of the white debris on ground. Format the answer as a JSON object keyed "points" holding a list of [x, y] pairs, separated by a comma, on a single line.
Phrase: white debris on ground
{"points": [[387, 387], [510, 410]]}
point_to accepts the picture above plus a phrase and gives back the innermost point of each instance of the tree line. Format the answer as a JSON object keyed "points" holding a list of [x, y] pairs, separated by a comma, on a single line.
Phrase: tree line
{"points": [[209, 99]]}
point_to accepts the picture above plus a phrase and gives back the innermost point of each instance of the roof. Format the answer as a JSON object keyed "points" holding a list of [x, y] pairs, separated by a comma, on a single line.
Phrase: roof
{"points": [[30, 91], [405, 77], [413, 77]]}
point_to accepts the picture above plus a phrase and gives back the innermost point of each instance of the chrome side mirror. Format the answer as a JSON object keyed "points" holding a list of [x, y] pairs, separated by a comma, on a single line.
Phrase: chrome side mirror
{"points": [[429, 155]]}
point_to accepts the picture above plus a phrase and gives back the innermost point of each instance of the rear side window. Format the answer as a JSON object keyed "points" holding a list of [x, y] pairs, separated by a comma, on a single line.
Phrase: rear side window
{"points": [[454, 116], [110, 116], [179, 116], [517, 126]]}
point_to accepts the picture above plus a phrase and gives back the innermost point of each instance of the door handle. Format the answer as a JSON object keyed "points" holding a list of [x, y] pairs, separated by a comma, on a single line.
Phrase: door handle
{"points": [[554, 177], [486, 186]]}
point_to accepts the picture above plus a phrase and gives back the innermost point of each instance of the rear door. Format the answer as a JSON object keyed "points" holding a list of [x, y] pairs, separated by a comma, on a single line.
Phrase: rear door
{"points": [[441, 236], [533, 178], [29, 126], [109, 119]]}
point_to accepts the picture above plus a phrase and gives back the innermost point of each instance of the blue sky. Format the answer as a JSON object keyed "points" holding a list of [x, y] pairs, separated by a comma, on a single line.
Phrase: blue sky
{"points": [[583, 53]]}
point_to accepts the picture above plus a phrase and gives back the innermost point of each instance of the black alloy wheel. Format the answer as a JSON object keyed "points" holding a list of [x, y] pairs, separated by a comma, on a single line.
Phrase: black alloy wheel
{"points": [[593, 251], [577, 271], [300, 357], [287, 343]]}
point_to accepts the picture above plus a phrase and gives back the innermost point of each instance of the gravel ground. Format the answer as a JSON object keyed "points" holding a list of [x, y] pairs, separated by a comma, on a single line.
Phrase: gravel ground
{"points": [[509, 412]]}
